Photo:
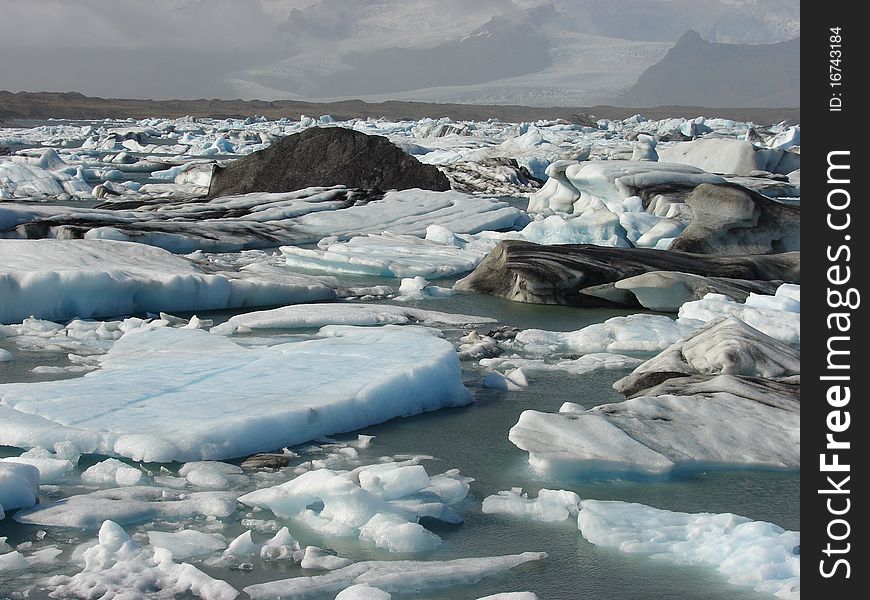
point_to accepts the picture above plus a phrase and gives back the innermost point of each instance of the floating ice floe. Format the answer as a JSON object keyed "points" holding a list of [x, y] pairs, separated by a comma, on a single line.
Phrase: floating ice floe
{"points": [[719, 423], [751, 553], [187, 542], [379, 504], [60, 280], [304, 316], [129, 505], [550, 505], [118, 567], [395, 577], [238, 401]]}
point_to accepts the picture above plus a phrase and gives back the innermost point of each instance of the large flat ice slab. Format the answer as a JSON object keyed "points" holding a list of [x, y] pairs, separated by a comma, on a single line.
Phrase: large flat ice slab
{"points": [[751, 553], [63, 279], [303, 316], [398, 576], [169, 394]]}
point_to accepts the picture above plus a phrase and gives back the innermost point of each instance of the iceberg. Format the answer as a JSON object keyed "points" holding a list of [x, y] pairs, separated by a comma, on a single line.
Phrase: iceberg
{"points": [[64, 279], [751, 553], [237, 401]]}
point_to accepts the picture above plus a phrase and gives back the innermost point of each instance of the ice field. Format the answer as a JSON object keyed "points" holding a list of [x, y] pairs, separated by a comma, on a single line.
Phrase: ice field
{"points": [[282, 395]]}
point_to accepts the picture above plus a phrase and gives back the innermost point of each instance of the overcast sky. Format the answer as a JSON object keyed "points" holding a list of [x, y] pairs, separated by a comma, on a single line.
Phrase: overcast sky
{"points": [[310, 48]]}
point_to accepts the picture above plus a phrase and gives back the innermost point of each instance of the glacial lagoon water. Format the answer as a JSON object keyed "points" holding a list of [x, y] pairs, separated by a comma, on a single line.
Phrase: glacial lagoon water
{"points": [[474, 440]]}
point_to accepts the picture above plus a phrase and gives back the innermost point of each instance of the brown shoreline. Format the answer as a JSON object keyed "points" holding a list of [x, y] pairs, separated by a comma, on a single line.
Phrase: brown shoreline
{"points": [[72, 105]]}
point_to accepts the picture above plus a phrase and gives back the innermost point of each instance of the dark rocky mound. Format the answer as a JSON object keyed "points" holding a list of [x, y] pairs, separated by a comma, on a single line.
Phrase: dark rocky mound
{"points": [[533, 273], [730, 219], [326, 156], [702, 73]]}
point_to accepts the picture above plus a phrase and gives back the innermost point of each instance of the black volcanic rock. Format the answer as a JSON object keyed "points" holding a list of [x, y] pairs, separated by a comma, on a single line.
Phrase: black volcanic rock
{"points": [[326, 156], [701, 73], [527, 272], [730, 219]]}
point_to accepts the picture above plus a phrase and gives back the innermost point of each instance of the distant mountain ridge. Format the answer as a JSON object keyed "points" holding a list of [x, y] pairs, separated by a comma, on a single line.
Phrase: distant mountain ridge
{"points": [[696, 72]]}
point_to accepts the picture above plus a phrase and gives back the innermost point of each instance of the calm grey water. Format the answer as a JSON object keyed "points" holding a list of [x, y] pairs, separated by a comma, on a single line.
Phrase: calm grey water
{"points": [[474, 440]]}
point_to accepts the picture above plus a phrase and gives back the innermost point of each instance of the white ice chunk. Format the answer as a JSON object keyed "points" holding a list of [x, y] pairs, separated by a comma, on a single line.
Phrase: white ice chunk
{"points": [[363, 591], [51, 470], [12, 561], [397, 534], [19, 485], [243, 546], [237, 401], [281, 546], [751, 553], [418, 288], [550, 505], [212, 474], [113, 472], [186, 543], [317, 558]]}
